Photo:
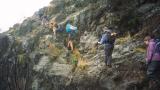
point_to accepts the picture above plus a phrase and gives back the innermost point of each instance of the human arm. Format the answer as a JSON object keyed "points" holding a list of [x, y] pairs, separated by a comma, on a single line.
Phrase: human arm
{"points": [[103, 39]]}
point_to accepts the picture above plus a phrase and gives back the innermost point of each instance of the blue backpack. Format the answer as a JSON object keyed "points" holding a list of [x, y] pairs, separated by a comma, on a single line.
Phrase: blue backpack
{"points": [[68, 30]]}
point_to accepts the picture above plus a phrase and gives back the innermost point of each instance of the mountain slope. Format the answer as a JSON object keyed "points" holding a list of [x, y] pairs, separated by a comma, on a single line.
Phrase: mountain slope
{"points": [[31, 59]]}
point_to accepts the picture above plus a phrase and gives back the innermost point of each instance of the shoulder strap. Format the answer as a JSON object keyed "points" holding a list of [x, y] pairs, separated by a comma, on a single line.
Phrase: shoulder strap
{"points": [[157, 43]]}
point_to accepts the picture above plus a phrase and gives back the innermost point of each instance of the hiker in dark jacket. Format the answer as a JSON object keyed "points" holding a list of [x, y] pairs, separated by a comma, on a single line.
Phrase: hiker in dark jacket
{"points": [[153, 61], [108, 39], [44, 21]]}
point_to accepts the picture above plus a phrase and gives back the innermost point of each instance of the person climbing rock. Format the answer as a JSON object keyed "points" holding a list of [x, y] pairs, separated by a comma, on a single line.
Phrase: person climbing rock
{"points": [[70, 29], [53, 26], [153, 61], [108, 39], [44, 21]]}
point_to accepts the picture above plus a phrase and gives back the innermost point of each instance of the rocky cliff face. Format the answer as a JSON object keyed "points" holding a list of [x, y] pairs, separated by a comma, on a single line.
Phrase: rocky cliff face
{"points": [[32, 60]]}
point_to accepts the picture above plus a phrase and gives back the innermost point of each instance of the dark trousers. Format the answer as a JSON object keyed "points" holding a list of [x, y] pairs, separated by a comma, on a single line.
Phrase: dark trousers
{"points": [[108, 53], [68, 55], [153, 72]]}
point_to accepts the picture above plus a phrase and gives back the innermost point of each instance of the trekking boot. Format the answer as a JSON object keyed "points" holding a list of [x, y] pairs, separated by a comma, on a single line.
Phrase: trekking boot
{"points": [[109, 66]]}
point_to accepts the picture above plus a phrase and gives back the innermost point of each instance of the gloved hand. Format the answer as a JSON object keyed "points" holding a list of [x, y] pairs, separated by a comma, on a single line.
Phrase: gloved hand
{"points": [[98, 42]]}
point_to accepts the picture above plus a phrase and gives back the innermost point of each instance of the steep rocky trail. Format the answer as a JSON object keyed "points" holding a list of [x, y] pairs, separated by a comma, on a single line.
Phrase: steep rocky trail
{"points": [[32, 59], [125, 73]]}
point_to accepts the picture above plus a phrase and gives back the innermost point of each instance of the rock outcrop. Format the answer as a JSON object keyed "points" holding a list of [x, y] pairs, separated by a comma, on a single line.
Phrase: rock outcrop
{"points": [[32, 59]]}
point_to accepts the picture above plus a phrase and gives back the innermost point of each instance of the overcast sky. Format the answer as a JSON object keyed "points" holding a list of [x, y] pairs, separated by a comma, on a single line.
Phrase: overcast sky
{"points": [[14, 11]]}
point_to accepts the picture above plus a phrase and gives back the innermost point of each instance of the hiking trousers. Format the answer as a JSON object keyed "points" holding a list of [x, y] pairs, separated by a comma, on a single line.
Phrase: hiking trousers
{"points": [[153, 71], [108, 53]]}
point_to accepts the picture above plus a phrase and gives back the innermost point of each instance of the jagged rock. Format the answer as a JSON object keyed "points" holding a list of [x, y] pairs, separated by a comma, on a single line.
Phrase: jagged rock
{"points": [[4, 44], [42, 65], [25, 62], [60, 69]]}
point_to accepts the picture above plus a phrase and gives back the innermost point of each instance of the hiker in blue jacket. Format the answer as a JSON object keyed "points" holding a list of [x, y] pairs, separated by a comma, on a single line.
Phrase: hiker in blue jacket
{"points": [[108, 39]]}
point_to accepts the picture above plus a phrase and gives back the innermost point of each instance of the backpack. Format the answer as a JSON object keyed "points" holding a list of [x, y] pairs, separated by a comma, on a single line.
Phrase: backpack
{"points": [[68, 30], [157, 46], [110, 39]]}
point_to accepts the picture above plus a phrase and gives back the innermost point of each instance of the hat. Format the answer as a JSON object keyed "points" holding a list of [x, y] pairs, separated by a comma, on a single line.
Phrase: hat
{"points": [[105, 29]]}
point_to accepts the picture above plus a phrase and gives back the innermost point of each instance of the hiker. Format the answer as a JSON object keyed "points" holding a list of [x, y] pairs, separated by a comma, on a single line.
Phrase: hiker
{"points": [[70, 29], [108, 38], [54, 27], [153, 60], [44, 21]]}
